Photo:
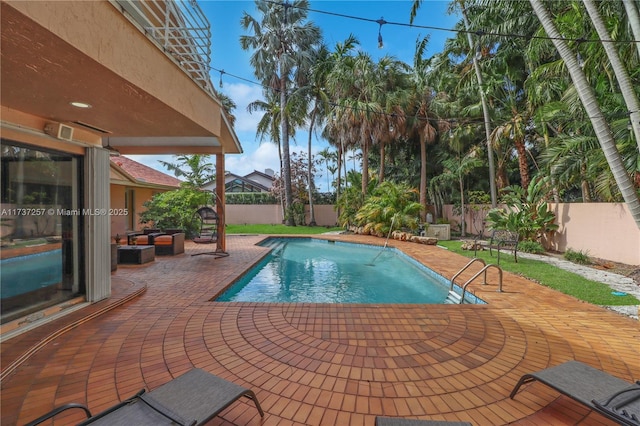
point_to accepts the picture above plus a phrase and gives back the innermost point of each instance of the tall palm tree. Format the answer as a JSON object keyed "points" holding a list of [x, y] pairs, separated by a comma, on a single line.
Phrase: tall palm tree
{"points": [[590, 103], [269, 125], [394, 77], [419, 116], [280, 41], [618, 67], [314, 96]]}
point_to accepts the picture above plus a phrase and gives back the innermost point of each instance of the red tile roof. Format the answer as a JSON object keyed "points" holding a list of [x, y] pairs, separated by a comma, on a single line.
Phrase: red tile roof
{"points": [[144, 174]]}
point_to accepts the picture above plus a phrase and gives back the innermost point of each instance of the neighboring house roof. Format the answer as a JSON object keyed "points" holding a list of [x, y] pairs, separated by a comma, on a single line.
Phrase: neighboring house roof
{"points": [[143, 175], [268, 175], [262, 181]]}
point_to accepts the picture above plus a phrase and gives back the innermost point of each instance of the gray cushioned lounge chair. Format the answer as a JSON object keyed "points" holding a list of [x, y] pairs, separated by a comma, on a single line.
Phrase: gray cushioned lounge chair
{"points": [[610, 396], [191, 399], [393, 421]]}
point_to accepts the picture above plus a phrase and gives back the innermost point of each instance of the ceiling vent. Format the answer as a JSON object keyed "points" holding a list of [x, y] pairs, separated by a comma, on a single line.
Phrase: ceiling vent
{"points": [[59, 131]]}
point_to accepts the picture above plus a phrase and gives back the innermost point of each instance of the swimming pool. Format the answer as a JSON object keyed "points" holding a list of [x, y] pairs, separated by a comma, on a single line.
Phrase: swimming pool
{"points": [[306, 270]]}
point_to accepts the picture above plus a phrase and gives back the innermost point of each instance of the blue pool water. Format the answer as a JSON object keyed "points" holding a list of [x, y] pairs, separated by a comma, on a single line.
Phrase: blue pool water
{"points": [[302, 270], [30, 272]]}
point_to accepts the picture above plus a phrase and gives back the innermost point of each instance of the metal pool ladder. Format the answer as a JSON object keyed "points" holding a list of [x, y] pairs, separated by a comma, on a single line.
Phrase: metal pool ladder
{"points": [[455, 298]]}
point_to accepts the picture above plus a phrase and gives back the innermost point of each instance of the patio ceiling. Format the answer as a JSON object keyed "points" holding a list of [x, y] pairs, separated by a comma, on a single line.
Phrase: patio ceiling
{"points": [[44, 70]]}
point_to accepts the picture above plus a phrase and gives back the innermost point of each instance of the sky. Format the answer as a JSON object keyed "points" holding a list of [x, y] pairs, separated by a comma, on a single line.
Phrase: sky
{"points": [[239, 83]]}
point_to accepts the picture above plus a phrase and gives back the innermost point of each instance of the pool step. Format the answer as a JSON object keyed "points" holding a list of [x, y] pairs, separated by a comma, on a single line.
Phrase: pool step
{"points": [[277, 247], [453, 298]]}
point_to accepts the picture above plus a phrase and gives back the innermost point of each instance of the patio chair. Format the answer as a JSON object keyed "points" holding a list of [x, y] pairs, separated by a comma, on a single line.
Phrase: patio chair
{"points": [[393, 421], [610, 396], [208, 226], [208, 231], [502, 239], [191, 399]]}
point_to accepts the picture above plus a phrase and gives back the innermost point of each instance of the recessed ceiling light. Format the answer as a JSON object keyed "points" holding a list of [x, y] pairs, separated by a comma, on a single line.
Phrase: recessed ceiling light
{"points": [[80, 104]]}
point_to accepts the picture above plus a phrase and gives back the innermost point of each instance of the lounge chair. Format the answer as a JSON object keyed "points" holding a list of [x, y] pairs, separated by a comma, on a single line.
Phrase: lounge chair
{"points": [[393, 421], [191, 399], [608, 395]]}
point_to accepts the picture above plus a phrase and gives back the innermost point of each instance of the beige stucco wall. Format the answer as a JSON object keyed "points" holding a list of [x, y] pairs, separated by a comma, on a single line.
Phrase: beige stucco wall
{"points": [[239, 214], [603, 230], [119, 222]]}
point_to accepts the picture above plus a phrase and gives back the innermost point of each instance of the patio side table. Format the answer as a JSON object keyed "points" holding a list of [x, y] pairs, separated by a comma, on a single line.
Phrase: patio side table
{"points": [[136, 254]]}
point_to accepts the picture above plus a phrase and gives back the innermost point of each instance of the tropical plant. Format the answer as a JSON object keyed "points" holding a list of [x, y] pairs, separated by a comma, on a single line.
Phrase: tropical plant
{"points": [[195, 169], [176, 209], [577, 256], [527, 211], [390, 206], [350, 199], [529, 246]]}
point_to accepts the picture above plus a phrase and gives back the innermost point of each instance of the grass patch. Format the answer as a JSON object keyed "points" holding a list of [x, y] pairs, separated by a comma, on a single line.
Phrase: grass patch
{"points": [[550, 276], [278, 229]]}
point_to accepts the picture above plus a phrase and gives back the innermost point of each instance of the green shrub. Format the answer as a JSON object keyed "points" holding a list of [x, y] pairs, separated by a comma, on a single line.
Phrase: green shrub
{"points": [[580, 257], [390, 204], [529, 246], [175, 209], [250, 198]]}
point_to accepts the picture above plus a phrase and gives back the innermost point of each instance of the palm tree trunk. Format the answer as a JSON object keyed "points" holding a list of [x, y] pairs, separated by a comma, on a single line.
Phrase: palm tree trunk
{"points": [[286, 155], [523, 165], [423, 178], [634, 19], [365, 164], [619, 69], [381, 169], [463, 222], [485, 111], [339, 183], [312, 217], [590, 103]]}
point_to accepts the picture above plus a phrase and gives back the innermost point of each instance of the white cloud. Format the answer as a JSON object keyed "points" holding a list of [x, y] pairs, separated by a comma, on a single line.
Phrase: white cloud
{"points": [[243, 95], [264, 156]]}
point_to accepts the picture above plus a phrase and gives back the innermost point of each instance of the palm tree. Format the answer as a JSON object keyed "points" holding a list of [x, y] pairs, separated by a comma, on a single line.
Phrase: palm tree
{"points": [[633, 106], [269, 126], [327, 155], [419, 120], [228, 105], [590, 103], [313, 93], [280, 42], [196, 169]]}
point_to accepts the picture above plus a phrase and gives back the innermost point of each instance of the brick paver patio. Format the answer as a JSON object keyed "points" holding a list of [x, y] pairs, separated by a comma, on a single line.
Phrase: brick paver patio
{"points": [[318, 364]]}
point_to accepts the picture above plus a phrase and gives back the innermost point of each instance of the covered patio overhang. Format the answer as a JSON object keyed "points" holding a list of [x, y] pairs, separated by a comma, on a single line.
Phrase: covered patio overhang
{"points": [[90, 66]]}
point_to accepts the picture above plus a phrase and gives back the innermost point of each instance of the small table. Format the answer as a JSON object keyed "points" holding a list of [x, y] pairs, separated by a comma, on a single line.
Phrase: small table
{"points": [[136, 254]]}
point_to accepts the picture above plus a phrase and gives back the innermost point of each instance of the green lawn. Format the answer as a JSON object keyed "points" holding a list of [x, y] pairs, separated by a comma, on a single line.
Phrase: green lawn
{"points": [[550, 276], [277, 229]]}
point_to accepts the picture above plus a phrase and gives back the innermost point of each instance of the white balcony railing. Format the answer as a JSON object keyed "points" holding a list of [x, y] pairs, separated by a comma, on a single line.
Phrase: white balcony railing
{"points": [[180, 28]]}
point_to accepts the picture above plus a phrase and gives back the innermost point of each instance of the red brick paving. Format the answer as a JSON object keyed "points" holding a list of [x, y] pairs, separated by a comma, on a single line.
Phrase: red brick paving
{"points": [[319, 364]]}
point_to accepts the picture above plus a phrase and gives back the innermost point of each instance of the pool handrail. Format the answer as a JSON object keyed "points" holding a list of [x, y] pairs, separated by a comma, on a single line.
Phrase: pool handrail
{"points": [[471, 262], [483, 270]]}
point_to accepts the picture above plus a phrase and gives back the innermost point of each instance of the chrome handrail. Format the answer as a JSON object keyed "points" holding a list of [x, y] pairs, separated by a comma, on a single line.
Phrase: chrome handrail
{"points": [[483, 270], [471, 262]]}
